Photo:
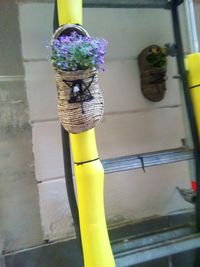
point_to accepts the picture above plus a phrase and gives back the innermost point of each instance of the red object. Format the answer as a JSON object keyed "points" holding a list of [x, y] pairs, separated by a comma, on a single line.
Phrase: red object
{"points": [[194, 186]]}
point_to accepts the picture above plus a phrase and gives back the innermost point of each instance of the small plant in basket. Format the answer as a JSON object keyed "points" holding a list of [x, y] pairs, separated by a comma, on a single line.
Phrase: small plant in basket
{"points": [[157, 56], [76, 59], [77, 52]]}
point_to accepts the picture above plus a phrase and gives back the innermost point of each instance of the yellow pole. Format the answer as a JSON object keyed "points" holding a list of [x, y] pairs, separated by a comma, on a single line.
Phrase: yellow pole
{"points": [[90, 188], [69, 12], [193, 69], [192, 63], [89, 175]]}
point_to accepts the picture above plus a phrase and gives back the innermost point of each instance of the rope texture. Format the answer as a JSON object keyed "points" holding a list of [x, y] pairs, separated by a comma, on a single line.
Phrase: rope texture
{"points": [[80, 101]]}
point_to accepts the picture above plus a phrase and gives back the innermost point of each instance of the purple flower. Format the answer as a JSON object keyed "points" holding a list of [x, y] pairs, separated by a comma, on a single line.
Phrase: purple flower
{"points": [[77, 52]]}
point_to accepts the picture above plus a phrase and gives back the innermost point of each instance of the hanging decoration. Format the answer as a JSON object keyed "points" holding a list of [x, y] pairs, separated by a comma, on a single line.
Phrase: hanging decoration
{"points": [[76, 58], [152, 62]]}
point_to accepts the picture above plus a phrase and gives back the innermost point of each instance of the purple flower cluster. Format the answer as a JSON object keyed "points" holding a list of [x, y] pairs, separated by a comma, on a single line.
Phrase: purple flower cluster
{"points": [[77, 52]]}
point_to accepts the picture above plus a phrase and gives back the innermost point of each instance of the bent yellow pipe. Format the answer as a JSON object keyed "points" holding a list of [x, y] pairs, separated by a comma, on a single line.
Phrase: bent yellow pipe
{"points": [[90, 190], [89, 175]]}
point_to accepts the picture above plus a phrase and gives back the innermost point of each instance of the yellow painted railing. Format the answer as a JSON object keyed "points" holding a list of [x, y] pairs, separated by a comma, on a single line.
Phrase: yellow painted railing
{"points": [[89, 175], [193, 69]]}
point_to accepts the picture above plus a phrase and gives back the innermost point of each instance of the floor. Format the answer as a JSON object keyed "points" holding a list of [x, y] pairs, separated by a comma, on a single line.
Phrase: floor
{"points": [[68, 254]]}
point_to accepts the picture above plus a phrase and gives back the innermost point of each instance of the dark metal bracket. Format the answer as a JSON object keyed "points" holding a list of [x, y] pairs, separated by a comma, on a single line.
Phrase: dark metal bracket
{"points": [[174, 3], [171, 49]]}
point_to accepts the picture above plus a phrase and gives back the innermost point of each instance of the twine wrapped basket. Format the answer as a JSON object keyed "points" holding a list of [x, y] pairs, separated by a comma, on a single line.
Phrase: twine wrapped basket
{"points": [[80, 101]]}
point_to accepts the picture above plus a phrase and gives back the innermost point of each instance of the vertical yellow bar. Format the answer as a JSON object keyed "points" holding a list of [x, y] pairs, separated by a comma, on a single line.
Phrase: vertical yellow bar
{"points": [[69, 11], [193, 68], [89, 175], [90, 188]]}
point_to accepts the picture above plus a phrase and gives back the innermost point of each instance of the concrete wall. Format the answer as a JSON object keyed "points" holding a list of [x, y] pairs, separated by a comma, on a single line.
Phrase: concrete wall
{"points": [[197, 8], [19, 210], [131, 124]]}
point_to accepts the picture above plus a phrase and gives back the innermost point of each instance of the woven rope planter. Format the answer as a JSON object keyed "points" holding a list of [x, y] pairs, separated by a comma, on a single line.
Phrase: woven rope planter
{"points": [[80, 101], [152, 79]]}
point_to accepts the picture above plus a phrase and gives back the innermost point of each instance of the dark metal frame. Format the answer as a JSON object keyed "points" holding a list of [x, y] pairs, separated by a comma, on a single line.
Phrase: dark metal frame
{"points": [[68, 166], [126, 4], [173, 5], [189, 106], [190, 111]]}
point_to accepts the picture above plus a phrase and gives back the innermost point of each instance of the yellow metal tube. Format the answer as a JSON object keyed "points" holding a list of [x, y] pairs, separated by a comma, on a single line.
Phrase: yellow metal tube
{"points": [[69, 11], [90, 190], [193, 69], [89, 175]]}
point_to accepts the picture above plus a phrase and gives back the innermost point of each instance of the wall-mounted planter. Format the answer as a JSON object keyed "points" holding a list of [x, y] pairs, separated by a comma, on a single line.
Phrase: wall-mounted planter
{"points": [[152, 62]]}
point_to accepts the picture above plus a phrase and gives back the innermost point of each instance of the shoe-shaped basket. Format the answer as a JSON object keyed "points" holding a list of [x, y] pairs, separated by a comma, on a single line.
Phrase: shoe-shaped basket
{"points": [[80, 101], [152, 77]]}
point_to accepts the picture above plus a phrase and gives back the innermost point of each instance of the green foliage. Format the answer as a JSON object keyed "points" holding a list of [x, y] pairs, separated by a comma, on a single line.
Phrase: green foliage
{"points": [[157, 57]]}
